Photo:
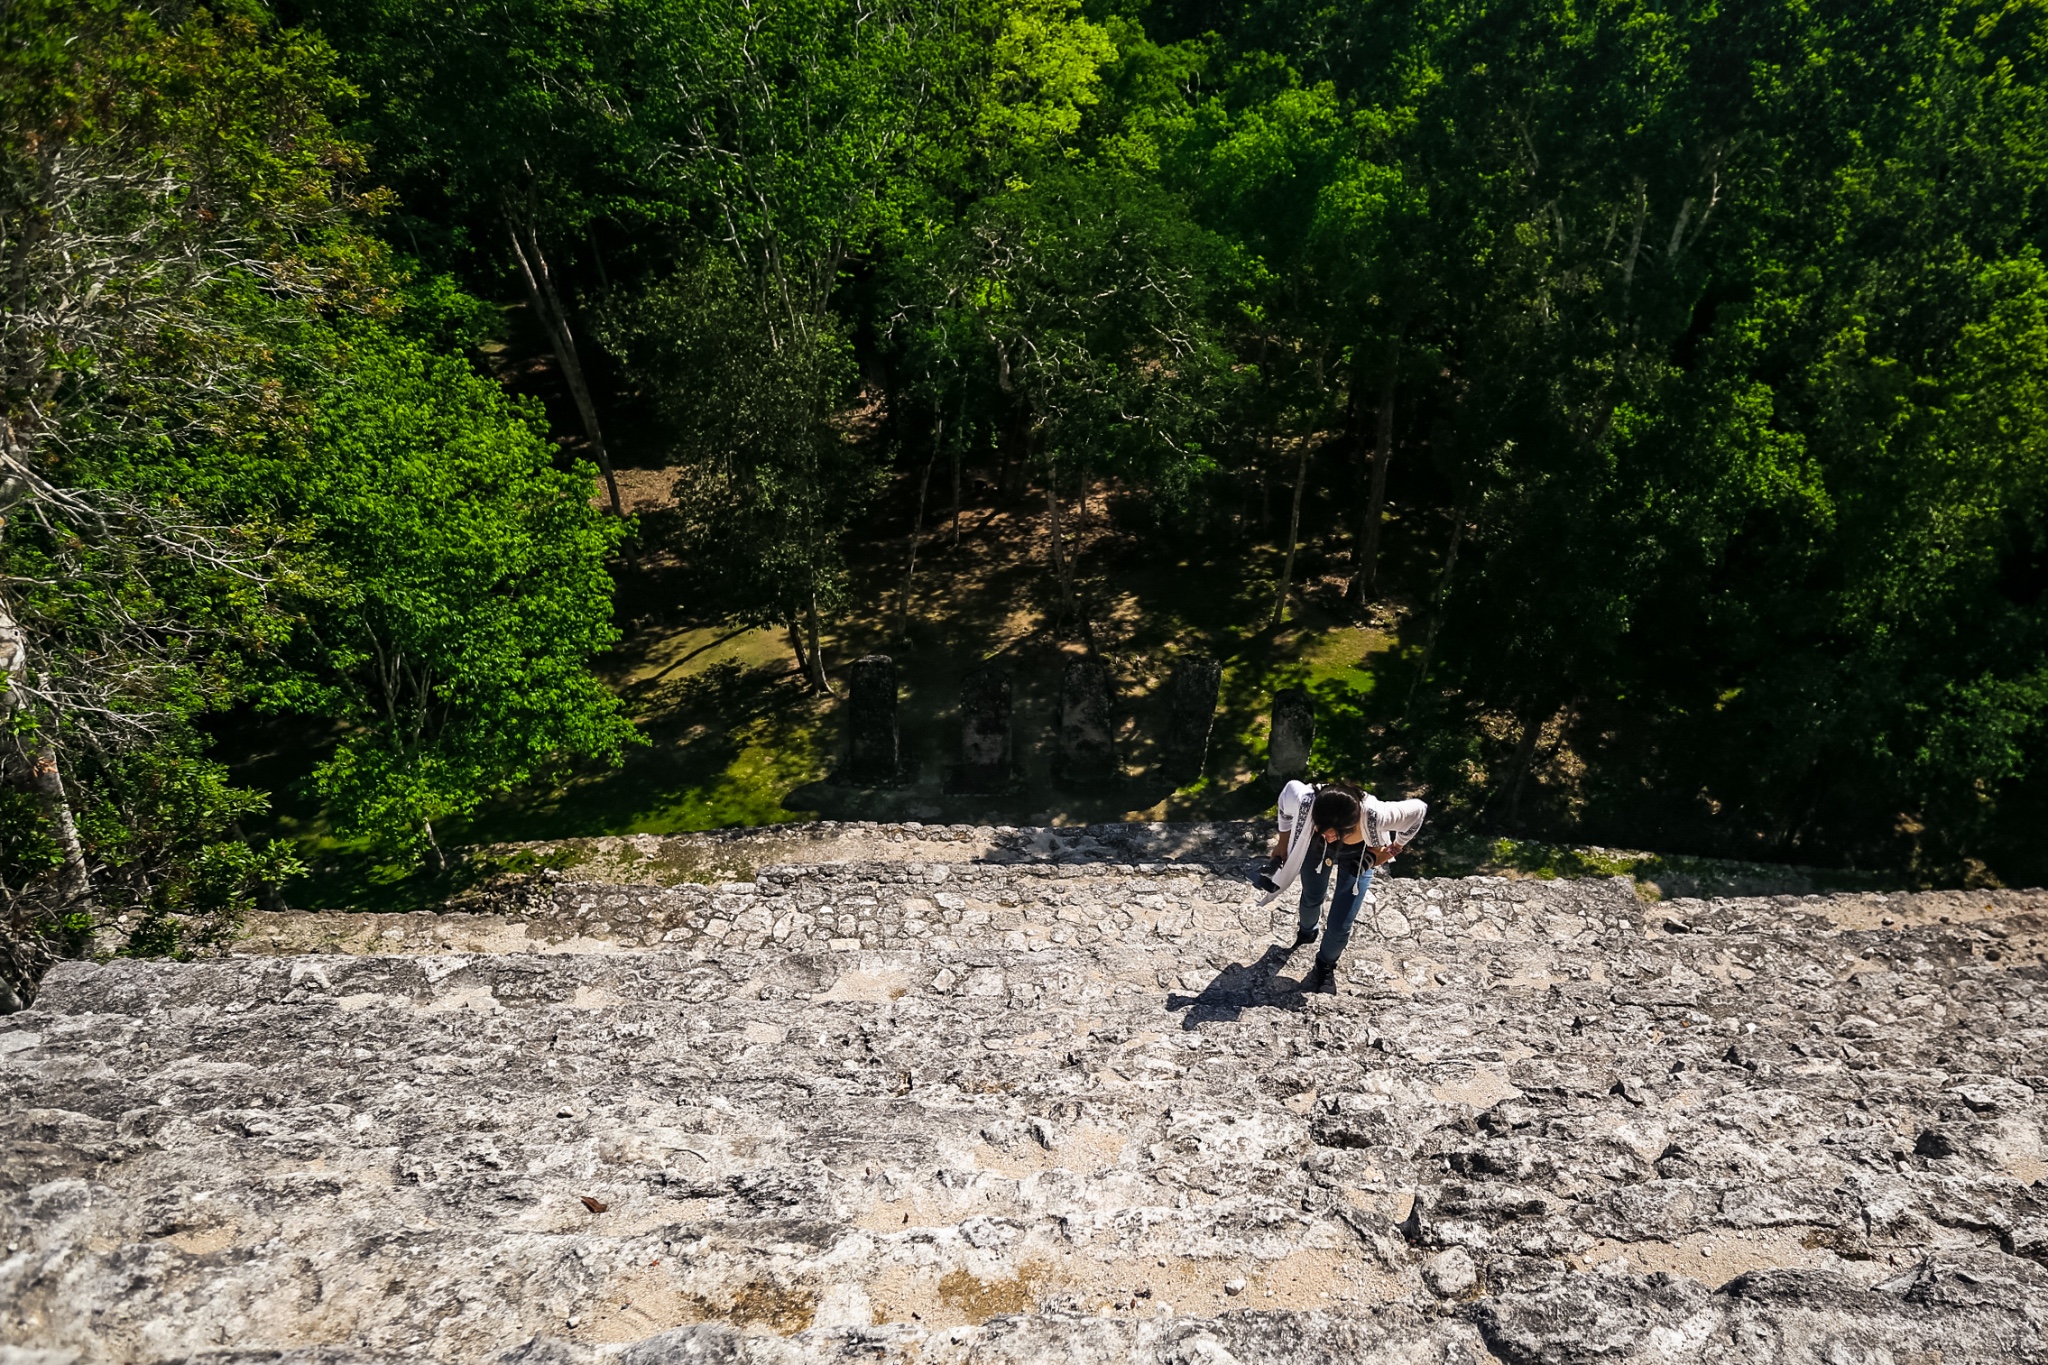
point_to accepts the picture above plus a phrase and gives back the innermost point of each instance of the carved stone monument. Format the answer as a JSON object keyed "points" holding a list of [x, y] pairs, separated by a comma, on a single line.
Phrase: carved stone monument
{"points": [[985, 742], [1192, 712], [871, 750], [1087, 753], [1294, 734]]}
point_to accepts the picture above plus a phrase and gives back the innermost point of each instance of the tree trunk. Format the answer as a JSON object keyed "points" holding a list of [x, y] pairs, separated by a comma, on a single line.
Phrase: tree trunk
{"points": [[434, 846], [1062, 565], [1365, 574], [1525, 760], [1293, 540], [1562, 717], [1436, 618], [547, 306], [796, 644], [819, 682], [46, 778], [1013, 445], [956, 489], [917, 530]]}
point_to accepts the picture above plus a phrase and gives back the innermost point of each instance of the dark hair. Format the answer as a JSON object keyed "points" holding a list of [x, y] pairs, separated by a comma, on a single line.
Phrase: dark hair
{"points": [[1337, 807]]}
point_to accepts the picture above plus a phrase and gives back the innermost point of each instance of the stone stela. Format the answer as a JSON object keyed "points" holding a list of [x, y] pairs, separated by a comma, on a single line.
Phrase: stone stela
{"points": [[987, 752], [1294, 735], [872, 751], [1087, 753], [1196, 682]]}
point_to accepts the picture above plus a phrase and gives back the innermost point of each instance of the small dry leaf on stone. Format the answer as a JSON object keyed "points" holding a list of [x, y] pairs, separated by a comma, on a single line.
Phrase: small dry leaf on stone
{"points": [[594, 1205]]}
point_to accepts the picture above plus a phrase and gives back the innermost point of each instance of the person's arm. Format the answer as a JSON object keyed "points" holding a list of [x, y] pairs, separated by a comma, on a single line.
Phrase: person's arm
{"points": [[1287, 808], [1398, 823]]}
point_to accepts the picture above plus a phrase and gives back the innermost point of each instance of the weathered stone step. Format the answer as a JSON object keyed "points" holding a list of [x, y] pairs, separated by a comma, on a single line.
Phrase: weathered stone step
{"points": [[842, 906], [737, 854], [1486, 1145]]}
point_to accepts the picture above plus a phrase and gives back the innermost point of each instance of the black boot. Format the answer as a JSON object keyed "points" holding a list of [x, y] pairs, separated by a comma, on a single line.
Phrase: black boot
{"points": [[1304, 937], [1321, 981]]}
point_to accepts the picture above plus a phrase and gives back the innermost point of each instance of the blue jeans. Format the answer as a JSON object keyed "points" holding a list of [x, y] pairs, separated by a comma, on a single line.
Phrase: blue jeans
{"points": [[1352, 884]]}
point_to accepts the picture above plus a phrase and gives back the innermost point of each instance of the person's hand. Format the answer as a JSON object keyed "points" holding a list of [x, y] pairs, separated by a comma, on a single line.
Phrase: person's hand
{"points": [[1264, 880], [1382, 856]]}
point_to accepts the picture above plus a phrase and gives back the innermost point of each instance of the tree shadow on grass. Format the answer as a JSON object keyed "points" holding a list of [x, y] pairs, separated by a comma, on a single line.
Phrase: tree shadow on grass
{"points": [[1239, 987], [720, 743]]}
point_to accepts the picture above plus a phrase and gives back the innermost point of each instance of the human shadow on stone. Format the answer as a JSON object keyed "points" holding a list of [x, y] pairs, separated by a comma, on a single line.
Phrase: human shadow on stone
{"points": [[1240, 986]]}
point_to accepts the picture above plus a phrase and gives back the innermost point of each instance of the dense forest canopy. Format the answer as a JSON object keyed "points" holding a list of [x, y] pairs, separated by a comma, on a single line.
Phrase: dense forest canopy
{"points": [[1707, 347]]}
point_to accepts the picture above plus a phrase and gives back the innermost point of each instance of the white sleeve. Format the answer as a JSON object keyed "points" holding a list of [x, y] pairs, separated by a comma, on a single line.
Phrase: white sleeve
{"points": [[1393, 822], [1291, 797], [1297, 858]]}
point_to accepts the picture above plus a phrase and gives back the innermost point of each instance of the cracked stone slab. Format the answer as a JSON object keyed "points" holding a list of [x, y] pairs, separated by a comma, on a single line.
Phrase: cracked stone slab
{"points": [[1045, 1110]]}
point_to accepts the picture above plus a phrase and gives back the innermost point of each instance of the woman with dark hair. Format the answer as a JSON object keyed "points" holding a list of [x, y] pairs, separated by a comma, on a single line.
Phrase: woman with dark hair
{"points": [[1334, 828]]}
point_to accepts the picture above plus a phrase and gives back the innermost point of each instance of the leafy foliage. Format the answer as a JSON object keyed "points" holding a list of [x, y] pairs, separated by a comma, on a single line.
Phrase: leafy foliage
{"points": [[468, 590], [213, 466], [771, 479]]}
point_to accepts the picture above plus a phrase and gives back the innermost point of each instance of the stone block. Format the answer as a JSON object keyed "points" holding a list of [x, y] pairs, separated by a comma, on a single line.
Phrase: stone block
{"points": [[1191, 714], [871, 745], [1294, 735], [987, 751], [1087, 755]]}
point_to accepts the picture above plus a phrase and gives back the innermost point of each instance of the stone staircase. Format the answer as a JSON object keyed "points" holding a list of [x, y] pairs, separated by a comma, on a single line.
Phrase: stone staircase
{"points": [[1063, 1100]]}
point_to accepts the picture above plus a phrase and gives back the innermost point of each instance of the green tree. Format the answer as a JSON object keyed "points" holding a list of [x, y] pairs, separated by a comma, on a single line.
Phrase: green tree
{"points": [[770, 474], [1085, 292], [170, 188], [463, 593], [507, 130]]}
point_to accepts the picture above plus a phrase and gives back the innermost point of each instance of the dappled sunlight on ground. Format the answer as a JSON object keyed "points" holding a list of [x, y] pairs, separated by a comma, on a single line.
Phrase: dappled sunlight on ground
{"points": [[736, 738]]}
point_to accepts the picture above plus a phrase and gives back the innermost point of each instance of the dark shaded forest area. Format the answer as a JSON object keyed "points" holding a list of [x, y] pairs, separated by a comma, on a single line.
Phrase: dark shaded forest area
{"points": [[1663, 387]]}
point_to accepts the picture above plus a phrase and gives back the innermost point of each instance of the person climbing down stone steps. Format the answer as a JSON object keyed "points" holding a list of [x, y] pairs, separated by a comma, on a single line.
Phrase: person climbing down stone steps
{"points": [[1334, 827]]}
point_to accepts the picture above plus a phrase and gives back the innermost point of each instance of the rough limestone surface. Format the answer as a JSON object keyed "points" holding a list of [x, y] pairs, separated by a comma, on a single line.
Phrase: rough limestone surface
{"points": [[1044, 1109]]}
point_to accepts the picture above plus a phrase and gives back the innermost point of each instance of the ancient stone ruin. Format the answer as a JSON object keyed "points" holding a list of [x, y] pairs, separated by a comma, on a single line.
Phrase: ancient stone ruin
{"points": [[987, 753], [1042, 1095], [1193, 691], [872, 754], [1085, 753], [1087, 749], [1294, 735]]}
